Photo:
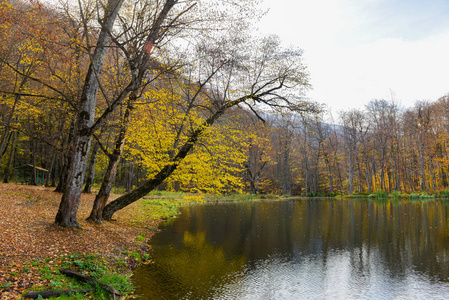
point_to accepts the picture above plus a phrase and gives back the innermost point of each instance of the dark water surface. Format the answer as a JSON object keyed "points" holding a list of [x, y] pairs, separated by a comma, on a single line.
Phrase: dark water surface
{"points": [[302, 249]]}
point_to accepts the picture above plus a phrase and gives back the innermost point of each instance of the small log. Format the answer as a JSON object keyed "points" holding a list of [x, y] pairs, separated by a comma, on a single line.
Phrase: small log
{"points": [[91, 280], [48, 294], [153, 229]]}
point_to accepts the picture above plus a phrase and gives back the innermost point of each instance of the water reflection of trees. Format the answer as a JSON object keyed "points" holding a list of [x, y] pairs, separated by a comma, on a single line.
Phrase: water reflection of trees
{"points": [[213, 241], [190, 272], [404, 234]]}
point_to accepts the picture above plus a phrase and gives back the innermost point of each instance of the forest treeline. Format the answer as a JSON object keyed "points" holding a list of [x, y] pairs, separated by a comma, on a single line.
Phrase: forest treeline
{"points": [[383, 147], [180, 96]]}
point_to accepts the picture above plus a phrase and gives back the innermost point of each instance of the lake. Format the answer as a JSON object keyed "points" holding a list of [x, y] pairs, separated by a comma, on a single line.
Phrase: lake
{"points": [[301, 249]]}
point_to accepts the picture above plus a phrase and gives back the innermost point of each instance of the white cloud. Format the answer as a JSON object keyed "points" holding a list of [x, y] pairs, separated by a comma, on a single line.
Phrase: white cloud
{"points": [[362, 50]]}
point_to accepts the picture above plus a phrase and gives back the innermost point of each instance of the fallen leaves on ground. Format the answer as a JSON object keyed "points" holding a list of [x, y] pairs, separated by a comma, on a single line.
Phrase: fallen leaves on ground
{"points": [[27, 232]]}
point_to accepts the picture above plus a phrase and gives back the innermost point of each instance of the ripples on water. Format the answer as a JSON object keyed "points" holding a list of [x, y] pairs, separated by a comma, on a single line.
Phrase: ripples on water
{"points": [[302, 249]]}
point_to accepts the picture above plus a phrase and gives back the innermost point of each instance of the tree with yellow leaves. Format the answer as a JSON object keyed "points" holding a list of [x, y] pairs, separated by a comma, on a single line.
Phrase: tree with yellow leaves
{"points": [[232, 74]]}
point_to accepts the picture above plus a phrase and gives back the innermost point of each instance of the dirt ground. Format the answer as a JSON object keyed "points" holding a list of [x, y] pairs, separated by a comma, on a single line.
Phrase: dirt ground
{"points": [[27, 231]]}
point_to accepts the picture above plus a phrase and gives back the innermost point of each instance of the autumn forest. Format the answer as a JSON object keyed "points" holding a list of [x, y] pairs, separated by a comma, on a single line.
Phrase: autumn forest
{"points": [[182, 96]]}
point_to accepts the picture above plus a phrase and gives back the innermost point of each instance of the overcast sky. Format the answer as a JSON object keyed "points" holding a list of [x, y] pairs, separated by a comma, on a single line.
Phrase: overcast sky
{"points": [[359, 50]]}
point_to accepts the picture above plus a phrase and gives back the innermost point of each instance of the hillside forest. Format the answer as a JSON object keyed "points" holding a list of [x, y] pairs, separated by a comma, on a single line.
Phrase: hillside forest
{"points": [[183, 96]]}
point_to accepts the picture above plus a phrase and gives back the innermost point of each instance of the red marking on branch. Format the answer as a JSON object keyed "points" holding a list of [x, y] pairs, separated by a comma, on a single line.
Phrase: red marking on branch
{"points": [[148, 47]]}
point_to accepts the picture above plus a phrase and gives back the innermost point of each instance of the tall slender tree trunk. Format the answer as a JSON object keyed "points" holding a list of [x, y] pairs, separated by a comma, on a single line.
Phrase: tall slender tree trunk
{"points": [[367, 172], [359, 177], [11, 159], [390, 180], [279, 173], [422, 169], [286, 171], [68, 208], [130, 177], [7, 128], [91, 169], [329, 170], [350, 174], [382, 176], [102, 197], [339, 177], [52, 166], [432, 176], [33, 158], [63, 171], [306, 177], [443, 177], [65, 160]]}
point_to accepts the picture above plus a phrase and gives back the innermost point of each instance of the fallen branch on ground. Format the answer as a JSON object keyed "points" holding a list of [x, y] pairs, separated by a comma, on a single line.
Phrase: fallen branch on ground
{"points": [[91, 280], [78, 276], [48, 294]]}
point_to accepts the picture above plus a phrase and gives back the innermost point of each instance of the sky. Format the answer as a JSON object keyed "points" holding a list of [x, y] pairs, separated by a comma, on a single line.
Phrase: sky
{"points": [[359, 50]]}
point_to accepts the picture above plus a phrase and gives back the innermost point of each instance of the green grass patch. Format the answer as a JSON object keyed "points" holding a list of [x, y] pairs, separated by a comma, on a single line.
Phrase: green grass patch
{"points": [[111, 272], [118, 190], [331, 194], [421, 197], [5, 285], [426, 196], [395, 195], [317, 195], [167, 194], [242, 197], [158, 209], [443, 194], [380, 194], [233, 197]]}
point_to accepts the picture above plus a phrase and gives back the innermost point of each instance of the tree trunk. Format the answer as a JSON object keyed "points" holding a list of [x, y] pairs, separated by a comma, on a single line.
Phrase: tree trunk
{"points": [[8, 168], [7, 126], [52, 167], [111, 172], [139, 192], [382, 176], [33, 157], [286, 171], [68, 208], [367, 171], [350, 174], [129, 177], [63, 172], [432, 176], [53, 177], [65, 160], [422, 168], [91, 169], [359, 176], [105, 190], [329, 170], [306, 176]]}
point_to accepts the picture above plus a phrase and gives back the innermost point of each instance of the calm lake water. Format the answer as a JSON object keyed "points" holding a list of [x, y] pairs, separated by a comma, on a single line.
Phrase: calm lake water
{"points": [[302, 249]]}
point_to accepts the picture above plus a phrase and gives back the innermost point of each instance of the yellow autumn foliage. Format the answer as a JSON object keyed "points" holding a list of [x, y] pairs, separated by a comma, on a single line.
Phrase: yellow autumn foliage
{"points": [[163, 123]]}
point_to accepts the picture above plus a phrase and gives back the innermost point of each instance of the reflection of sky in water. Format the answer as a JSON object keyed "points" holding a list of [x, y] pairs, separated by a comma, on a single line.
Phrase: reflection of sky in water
{"points": [[308, 249], [335, 278]]}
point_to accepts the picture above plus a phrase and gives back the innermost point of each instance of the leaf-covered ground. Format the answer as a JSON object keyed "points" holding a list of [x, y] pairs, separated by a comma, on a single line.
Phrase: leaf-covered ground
{"points": [[27, 232]]}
